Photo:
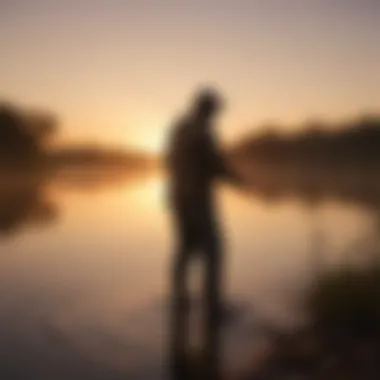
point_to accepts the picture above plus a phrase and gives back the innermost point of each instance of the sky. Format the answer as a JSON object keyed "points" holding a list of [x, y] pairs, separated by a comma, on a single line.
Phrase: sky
{"points": [[118, 71]]}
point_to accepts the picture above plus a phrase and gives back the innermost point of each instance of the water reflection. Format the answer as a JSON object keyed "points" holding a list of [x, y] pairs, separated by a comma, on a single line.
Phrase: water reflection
{"points": [[84, 298], [274, 183], [24, 202], [202, 362]]}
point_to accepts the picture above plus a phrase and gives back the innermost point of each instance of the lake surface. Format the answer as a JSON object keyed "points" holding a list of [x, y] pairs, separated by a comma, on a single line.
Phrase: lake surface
{"points": [[84, 272]]}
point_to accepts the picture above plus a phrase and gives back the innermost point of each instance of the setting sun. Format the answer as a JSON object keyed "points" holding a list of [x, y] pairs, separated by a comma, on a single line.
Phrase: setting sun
{"points": [[154, 142], [150, 138]]}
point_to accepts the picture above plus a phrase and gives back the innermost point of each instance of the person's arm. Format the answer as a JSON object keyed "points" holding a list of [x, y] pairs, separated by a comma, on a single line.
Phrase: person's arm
{"points": [[220, 166]]}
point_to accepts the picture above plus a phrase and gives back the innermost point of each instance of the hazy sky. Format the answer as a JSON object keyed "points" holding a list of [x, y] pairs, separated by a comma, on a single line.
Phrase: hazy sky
{"points": [[118, 71]]}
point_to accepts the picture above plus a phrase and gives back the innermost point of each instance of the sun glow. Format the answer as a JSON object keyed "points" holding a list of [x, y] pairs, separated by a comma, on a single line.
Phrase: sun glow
{"points": [[155, 143], [150, 192], [149, 140]]}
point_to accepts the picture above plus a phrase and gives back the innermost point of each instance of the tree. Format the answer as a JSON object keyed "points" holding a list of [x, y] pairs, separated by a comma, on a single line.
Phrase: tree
{"points": [[23, 134]]}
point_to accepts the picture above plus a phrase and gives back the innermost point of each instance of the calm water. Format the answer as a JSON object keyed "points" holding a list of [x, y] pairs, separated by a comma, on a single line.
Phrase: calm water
{"points": [[84, 272]]}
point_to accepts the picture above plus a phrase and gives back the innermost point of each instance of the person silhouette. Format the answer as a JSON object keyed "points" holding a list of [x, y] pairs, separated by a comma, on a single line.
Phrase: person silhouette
{"points": [[194, 163]]}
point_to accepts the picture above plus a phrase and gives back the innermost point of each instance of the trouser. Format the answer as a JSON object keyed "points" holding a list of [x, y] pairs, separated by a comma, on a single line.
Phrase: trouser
{"points": [[198, 235]]}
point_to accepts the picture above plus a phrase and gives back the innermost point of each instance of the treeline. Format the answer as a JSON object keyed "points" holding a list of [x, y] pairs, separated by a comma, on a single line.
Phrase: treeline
{"points": [[24, 134], [24, 142], [87, 155], [356, 142]]}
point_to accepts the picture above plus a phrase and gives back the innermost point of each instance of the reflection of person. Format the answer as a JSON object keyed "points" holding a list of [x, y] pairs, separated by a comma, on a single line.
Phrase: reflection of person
{"points": [[194, 163]]}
